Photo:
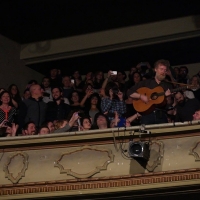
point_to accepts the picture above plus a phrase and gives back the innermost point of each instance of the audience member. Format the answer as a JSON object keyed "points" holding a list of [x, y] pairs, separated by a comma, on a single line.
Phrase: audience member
{"points": [[15, 95], [75, 101], [26, 94], [89, 78], [183, 75], [78, 83], [196, 115], [33, 109], [98, 79], [8, 129], [64, 125], [43, 130], [29, 129], [113, 102], [50, 125], [47, 95], [55, 78], [91, 103], [7, 112], [195, 82], [176, 72], [101, 121], [67, 87], [85, 123], [57, 109], [185, 107]]}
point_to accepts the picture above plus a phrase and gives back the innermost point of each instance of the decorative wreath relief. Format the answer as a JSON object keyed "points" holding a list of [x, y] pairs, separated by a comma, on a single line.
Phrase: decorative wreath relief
{"points": [[84, 162], [195, 150], [16, 166], [156, 154]]}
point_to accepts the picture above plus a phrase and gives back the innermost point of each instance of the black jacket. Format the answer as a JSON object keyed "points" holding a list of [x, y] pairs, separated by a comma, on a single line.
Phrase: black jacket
{"points": [[57, 112], [32, 110]]}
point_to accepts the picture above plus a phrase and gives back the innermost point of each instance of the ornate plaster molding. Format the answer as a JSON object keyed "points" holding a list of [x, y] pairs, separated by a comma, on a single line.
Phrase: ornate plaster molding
{"points": [[156, 154], [97, 169], [194, 151], [21, 173]]}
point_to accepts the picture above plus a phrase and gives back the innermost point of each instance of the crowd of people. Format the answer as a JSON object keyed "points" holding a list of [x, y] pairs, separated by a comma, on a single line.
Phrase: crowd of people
{"points": [[68, 103]]}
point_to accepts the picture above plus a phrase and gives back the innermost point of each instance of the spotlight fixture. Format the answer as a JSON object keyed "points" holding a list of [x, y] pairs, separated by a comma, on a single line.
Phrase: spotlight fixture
{"points": [[139, 150]]}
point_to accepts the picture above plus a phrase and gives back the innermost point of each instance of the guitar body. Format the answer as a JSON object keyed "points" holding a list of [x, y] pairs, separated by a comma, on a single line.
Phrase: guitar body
{"points": [[155, 96]]}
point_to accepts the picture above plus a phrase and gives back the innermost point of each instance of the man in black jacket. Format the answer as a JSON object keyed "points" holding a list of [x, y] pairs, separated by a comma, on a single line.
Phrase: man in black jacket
{"points": [[185, 107], [33, 109], [57, 109]]}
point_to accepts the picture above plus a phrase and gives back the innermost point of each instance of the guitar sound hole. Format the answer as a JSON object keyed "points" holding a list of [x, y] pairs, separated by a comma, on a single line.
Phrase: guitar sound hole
{"points": [[154, 96]]}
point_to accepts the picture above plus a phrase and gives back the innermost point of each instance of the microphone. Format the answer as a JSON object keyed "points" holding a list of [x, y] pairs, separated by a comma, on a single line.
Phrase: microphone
{"points": [[142, 131]]}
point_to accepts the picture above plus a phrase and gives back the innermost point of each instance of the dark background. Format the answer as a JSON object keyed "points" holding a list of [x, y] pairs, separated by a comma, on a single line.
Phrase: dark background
{"points": [[37, 20]]}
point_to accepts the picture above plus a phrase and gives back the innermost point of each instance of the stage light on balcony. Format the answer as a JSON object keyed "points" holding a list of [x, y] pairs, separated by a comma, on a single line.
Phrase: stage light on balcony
{"points": [[139, 150]]}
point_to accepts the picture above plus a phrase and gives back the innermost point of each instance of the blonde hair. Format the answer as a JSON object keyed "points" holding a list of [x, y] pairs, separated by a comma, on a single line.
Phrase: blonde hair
{"points": [[58, 124]]}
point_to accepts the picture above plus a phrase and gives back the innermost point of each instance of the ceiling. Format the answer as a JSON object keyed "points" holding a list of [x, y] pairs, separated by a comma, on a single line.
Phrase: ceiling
{"points": [[33, 20]]}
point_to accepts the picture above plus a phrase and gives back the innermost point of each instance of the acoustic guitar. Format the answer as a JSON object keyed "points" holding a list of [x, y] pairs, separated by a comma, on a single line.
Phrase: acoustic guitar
{"points": [[155, 96]]}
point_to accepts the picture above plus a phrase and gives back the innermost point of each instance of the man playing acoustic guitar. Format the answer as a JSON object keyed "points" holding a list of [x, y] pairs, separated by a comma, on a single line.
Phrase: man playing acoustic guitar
{"points": [[149, 95]]}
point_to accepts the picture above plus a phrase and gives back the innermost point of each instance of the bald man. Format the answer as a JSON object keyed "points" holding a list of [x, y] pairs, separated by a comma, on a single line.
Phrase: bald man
{"points": [[33, 109]]}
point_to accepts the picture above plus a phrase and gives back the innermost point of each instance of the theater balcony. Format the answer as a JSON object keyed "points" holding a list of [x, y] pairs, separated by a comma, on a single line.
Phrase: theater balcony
{"points": [[160, 162]]}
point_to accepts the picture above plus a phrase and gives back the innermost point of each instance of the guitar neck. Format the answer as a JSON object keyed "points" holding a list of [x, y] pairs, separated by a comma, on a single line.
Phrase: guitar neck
{"points": [[179, 89]]}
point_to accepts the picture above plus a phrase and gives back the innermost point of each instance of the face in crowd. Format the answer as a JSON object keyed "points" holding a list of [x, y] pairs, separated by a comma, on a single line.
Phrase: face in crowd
{"points": [[180, 98], [31, 129], [196, 115], [56, 94], [160, 72], [44, 131]]}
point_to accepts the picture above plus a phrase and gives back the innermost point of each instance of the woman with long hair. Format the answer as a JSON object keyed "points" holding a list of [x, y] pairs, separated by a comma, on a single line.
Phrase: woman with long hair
{"points": [[91, 103], [15, 95], [7, 112], [85, 123]]}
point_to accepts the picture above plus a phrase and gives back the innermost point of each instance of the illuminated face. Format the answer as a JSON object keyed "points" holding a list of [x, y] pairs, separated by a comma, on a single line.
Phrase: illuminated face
{"points": [[94, 100], [36, 90], [31, 130], [46, 83], [75, 97], [44, 131], [86, 124], [56, 94], [160, 72], [136, 78], [14, 90], [196, 115], [5, 98], [194, 81], [27, 94], [179, 98], [51, 126], [101, 120]]}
